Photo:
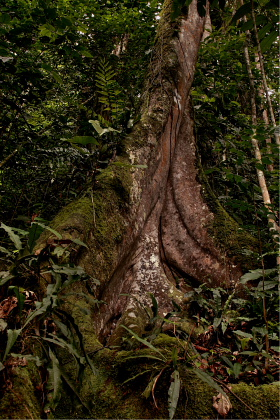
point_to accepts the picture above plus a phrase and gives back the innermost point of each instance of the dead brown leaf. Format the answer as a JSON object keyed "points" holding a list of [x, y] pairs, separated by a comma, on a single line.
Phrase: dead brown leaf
{"points": [[16, 361], [222, 404], [7, 305]]}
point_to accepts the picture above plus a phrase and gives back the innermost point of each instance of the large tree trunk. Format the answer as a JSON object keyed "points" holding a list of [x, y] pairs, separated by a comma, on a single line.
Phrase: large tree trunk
{"points": [[169, 220], [160, 230]]}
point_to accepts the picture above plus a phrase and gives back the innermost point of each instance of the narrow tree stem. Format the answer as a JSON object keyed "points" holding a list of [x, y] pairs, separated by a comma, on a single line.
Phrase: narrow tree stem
{"points": [[270, 108]]}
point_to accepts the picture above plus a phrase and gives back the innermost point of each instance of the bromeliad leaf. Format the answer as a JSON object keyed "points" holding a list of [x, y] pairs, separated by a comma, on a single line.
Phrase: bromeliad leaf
{"points": [[173, 393]]}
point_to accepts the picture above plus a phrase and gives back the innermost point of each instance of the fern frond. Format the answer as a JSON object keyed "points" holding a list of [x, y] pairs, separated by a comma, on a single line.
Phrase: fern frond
{"points": [[108, 93]]}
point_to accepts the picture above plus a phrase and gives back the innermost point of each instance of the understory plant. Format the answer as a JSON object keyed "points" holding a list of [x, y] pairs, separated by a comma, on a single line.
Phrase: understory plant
{"points": [[240, 342], [33, 315]]}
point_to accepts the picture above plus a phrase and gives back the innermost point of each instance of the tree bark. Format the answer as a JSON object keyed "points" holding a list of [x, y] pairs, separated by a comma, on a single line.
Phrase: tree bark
{"points": [[161, 230], [167, 247]]}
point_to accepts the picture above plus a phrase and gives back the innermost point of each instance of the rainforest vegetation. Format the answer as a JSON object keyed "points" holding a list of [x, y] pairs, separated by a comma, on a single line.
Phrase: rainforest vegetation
{"points": [[139, 209]]}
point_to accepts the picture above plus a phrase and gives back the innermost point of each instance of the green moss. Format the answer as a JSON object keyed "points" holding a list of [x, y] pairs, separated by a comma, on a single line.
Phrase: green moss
{"points": [[111, 204], [227, 233], [72, 222], [117, 389], [20, 400], [264, 401]]}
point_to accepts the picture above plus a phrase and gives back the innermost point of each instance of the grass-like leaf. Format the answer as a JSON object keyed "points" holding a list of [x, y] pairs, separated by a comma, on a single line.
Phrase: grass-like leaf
{"points": [[145, 342], [209, 380]]}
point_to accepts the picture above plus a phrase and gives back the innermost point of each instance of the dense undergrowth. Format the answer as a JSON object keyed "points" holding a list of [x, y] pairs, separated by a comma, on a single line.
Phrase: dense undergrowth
{"points": [[239, 342]]}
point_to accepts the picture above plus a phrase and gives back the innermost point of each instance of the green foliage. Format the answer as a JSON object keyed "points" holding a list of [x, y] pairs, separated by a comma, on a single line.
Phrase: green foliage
{"points": [[234, 348], [53, 56], [54, 328], [266, 22], [108, 92], [224, 130]]}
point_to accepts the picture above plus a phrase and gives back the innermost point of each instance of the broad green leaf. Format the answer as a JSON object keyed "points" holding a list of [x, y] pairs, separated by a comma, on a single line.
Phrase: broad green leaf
{"points": [[253, 275], [70, 271], [267, 284], [262, 32], [217, 322], [268, 41], [50, 229], [56, 77], [247, 26], [47, 30], [14, 238], [86, 53], [79, 242], [256, 274], [12, 337], [274, 4], [41, 309], [227, 361], [175, 357], [237, 367], [249, 353], [245, 9], [70, 347], [243, 334], [52, 72], [173, 393], [145, 356], [99, 129], [47, 67]]}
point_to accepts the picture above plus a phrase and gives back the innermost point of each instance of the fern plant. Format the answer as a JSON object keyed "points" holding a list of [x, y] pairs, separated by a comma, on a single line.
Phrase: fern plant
{"points": [[109, 94]]}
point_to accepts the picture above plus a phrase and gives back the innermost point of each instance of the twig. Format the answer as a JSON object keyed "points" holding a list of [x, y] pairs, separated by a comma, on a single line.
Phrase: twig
{"points": [[236, 396], [154, 386]]}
